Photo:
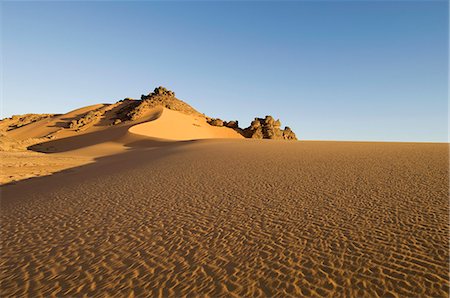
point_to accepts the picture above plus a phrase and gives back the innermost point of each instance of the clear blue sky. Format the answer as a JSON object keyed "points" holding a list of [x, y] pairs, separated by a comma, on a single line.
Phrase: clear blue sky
{"points": [[331, 70]]}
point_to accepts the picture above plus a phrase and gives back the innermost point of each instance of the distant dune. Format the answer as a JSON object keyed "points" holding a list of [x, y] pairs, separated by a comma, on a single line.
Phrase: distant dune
{"points": [[151, 198]]}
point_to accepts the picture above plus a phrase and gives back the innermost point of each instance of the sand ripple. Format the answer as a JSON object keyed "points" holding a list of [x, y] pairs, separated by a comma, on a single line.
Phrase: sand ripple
{"points": [[234, 218]]}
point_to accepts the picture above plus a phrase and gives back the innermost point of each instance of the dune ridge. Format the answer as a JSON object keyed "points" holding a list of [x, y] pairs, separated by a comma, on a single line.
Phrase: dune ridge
{"points": [[173, 125], [80, 136]]}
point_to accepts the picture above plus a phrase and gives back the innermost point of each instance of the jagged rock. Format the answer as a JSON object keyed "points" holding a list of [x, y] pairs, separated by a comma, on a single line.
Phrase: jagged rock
{"points": [[269, 120], [255, 124], [159, 97], [268, 128], [288, 134], [216, 122], [73, 124], [256, 134], [88, 118], [277, 124], [159, 91], [231, 124], [117, 121], [260, 128]]}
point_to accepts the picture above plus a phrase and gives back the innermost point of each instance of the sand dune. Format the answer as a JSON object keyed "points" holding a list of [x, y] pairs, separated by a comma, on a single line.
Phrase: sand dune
{"points": [[173, 125], [51, 125], [232, 218], [97, 140]]}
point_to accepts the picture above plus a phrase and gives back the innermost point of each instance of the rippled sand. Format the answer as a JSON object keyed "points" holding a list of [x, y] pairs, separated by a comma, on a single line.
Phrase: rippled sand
{"points": [[15, 166], [234, 218]]}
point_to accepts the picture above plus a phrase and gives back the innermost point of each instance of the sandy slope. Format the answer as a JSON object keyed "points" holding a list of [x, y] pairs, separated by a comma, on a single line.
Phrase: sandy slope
{"points": [[98, 140], [50, 125], [173, 125], [233, 218]]}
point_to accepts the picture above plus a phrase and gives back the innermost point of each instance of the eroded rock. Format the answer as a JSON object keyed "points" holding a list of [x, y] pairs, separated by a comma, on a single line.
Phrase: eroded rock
{"points": [[216, 122], [268, 128]]}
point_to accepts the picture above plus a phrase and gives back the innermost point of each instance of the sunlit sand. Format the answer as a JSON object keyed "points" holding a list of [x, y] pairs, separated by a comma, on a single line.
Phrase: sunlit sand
{"points": [[170, 206]]}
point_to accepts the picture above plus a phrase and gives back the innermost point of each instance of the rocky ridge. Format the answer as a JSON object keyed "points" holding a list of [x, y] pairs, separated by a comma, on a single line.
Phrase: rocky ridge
{"points": [[159, 97], [132, 110], [260, 128], [17, 121]]}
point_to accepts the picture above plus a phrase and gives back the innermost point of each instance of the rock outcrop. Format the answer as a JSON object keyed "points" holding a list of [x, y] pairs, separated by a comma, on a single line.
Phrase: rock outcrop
{"points": [[162, 91], [166, 98], [107, 112], [17, 121], [159, 97], [129, 109], [288, 134], [215, 122], [260, 128], [268, 128], [88, 118], [231, 124]]}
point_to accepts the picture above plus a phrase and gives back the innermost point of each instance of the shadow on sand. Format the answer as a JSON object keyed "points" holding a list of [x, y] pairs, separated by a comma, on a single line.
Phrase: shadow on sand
{"points": [[117, 134], [138, 150]]}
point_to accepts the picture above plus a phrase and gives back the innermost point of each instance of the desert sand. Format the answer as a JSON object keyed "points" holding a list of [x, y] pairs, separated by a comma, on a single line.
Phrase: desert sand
{"points": [[15, 166], [173, 125], [234, 218], [145, 210], [98, 139]]}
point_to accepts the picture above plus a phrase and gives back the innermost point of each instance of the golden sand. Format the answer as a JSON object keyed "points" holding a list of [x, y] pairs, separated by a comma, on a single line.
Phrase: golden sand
{"points": [[232, 218], [15, 166], [95, 141]]}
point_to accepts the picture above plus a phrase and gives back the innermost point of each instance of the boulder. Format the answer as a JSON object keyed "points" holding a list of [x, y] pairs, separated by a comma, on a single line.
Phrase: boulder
{"points": [[232, 124], [216, 122]]}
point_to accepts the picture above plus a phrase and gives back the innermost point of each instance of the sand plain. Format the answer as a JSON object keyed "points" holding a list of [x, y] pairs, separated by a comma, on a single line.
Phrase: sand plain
{"points": [[20, 165], [233, 218]]}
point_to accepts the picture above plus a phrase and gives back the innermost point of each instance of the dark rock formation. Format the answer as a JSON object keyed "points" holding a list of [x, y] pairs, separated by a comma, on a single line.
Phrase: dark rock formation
{"points": [[260, 128], [88, 118], [159, 97], [216, 122], [231, 124], [159, 91], [268, 128], [288, 134]]}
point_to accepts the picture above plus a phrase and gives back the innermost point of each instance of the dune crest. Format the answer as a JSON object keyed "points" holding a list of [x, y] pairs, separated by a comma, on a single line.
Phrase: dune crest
{"points": [[31, 129], [173, 125]]}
